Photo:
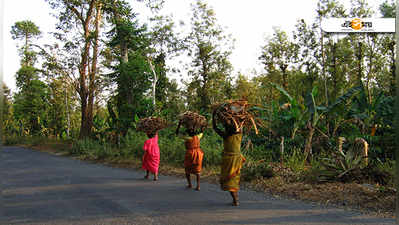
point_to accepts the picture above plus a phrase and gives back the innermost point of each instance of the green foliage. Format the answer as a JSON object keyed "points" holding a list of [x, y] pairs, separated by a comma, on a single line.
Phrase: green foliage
{"points": [[278, 54], [388, 9], [25, 75], [93, 149], [210, 67], [30, 107], [24, 30], [256, 169], [133, 82], [295, 161]]}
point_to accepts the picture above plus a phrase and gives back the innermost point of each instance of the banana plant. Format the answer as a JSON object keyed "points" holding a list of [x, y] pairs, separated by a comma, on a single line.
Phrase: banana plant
{"points": [[99, 128], [295, 111], [310, 113], [372, 111], [316, 112]]}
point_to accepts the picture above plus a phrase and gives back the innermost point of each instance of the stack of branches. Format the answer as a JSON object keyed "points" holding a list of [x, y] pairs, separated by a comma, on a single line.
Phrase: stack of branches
{"points": [[151, 124], [193, 121], [236, 114]]}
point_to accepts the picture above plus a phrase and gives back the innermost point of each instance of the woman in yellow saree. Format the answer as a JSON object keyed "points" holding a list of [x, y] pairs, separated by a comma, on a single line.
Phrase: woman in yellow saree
{"points": [[232, 159]]}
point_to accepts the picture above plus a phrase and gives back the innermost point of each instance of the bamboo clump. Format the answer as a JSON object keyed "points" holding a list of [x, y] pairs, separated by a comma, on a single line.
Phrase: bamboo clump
{"points": [[236, 114]]}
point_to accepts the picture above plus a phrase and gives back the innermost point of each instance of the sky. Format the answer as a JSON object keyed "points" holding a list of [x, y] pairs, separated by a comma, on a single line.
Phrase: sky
{"points": [[249, 22]]}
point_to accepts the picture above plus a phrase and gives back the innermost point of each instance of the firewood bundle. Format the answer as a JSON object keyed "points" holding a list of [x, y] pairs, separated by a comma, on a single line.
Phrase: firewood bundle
{"points": [[235, 114], [193, 121], [151, 124]]}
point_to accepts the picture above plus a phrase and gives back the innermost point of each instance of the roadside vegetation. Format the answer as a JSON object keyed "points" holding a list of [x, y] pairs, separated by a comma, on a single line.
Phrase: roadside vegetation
{"points": [[326, 102]]}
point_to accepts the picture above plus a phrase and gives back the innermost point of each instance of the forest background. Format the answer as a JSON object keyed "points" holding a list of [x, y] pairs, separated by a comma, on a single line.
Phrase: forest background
{"points": [[326, 100]]}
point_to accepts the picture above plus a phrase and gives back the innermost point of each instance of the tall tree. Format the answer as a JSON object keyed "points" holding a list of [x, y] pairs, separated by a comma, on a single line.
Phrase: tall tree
{"points": [[127, 58], [305, 37], [210, 49], [278, 54], [388, 10], [30, 103], [326, 9], [361, 9], [31, 107], [79, 26], [26, 30], [165, 44], [245, 89]]}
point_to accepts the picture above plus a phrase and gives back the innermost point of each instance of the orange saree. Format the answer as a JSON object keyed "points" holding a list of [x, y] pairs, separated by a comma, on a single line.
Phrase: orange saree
{"points": [[194, 155]]}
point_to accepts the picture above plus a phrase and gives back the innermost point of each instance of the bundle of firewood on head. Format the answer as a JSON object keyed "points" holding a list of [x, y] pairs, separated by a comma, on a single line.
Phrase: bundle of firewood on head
{"points": [[193, 122], [151, 125], [236, 115]]}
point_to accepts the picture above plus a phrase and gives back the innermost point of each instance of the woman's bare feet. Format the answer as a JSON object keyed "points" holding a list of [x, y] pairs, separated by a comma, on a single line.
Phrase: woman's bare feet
{"points": [[234, 195]]}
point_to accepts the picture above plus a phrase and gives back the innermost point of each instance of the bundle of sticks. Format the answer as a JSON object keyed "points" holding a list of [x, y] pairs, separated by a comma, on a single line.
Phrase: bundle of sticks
{"points": [[236, 114], [151, 124], [193, 121]]}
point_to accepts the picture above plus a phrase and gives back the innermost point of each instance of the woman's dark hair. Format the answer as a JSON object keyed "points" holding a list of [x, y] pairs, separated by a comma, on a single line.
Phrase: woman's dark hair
{"points": [[230, 130], [151, 134], [192, 132]]}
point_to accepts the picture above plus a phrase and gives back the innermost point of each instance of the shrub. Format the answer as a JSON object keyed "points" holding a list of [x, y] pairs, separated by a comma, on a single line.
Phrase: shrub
{"points": [[256, 169], [295, 161], [92, 149]]}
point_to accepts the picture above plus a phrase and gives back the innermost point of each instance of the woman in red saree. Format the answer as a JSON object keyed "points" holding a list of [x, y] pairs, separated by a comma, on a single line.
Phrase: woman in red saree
{"points": [[151, 155]]}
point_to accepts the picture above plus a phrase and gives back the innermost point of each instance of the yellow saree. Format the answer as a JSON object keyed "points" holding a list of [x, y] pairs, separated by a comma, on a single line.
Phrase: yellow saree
{"points": [[232, 161]]}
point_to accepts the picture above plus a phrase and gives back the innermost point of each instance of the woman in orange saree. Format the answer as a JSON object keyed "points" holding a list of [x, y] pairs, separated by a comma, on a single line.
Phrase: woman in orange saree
{"points": [[193, 157]]}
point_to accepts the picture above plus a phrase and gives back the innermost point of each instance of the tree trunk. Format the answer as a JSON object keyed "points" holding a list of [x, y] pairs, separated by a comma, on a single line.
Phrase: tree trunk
{"points": [[308, 145], [323, 62], [87, 74], [335, 80], [124, 52], [359, 63], [369, 72], [67, 112], [393, 68], [85, 127], [154, 82], [285, 77]]}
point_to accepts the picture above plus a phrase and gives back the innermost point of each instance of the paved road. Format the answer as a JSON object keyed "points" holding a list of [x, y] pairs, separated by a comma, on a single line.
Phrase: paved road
{"points": [[38, 188]]}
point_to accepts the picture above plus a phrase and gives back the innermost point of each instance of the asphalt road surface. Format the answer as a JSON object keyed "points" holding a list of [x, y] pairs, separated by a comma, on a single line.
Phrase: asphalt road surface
{"points": [[39, 188]]}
